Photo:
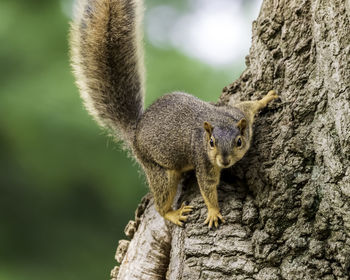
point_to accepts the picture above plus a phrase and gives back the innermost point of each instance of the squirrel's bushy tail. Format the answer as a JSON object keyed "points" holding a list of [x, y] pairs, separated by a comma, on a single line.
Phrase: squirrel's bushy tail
{"points": [[107, 59]]}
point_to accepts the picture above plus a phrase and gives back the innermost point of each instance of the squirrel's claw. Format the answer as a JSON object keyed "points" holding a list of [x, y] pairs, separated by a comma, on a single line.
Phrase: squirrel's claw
{"points": [[180, 215], [271, 95], [183, 218], [184, 206], [180, 223], [213, 217], [184, 211]]}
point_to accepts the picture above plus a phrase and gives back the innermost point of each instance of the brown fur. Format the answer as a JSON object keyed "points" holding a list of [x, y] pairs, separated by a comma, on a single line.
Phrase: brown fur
{"points": [[107, 60], [174, 134]]}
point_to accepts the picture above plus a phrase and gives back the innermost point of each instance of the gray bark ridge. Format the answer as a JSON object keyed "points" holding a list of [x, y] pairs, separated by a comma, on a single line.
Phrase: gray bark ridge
{"points": [[287, 202], [146, 256]]}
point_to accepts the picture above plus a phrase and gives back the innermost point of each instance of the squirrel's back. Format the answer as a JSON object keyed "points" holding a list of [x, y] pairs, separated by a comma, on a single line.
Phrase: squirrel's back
{"points": [[173, 125], [107, 59]]}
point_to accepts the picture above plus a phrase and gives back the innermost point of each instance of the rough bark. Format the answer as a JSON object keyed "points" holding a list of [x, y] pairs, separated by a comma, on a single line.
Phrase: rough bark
{"points": [[287, 202]]}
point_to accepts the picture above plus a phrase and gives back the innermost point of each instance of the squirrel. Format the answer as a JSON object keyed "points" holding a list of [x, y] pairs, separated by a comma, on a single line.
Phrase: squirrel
{"points": [[175, 134]]}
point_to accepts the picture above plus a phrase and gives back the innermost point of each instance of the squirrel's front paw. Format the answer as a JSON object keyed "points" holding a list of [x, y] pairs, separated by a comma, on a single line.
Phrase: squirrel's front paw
{"points": [[213, 217], [180, 215], [271, 95]]}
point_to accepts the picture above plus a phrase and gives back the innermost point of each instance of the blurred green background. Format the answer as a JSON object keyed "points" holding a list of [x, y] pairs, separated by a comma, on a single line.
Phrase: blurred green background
{"points": [[66, 190]]}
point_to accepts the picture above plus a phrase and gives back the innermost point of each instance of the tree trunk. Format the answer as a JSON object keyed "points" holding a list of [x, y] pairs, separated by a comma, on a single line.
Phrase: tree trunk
{"points": [[287, 202]]}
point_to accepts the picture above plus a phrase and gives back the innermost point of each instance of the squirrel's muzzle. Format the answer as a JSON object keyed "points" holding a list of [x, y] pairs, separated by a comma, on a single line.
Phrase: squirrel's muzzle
{"points": [[223, 162]]}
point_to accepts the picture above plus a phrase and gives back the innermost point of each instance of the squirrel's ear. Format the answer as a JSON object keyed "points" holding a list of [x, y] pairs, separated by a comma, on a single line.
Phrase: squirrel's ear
{"points": [[242, 124], [208, 128]]}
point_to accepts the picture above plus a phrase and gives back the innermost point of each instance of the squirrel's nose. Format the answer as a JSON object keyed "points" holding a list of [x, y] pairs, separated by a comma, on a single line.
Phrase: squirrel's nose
{"points": [[225, 162]]}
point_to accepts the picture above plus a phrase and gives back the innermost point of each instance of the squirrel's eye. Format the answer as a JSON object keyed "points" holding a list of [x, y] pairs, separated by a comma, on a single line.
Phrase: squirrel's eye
{"points": [[211, 142], [239, 142]]}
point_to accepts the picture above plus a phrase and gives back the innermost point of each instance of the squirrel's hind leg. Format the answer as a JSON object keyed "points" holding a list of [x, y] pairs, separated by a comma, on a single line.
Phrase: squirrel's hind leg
{"points": [[163, 184]]}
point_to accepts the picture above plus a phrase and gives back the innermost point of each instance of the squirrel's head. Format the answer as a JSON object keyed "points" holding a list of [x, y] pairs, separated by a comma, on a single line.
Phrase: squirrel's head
{"points": [[226, 145]]}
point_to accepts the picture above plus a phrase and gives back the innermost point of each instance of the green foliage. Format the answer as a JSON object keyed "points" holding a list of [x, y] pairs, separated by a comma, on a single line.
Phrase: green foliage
{"points": [[66, 190]]}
